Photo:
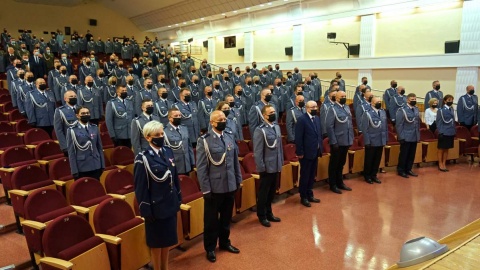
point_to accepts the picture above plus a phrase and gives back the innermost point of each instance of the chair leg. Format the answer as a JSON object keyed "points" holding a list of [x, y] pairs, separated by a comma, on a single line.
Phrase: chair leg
{"points": [[34, 263], [19, 225]]}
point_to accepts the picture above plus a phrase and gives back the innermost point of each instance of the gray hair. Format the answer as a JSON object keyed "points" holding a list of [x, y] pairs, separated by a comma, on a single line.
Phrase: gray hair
{"points": [[151, 127]]}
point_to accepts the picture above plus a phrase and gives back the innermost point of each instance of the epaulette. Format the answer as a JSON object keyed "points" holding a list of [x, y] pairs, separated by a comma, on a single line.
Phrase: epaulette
{"points": [[137, 118], [293, 108], [205, 135], [61, 107], [150, 152], [94, 125], [228, 131], [261, 126]]}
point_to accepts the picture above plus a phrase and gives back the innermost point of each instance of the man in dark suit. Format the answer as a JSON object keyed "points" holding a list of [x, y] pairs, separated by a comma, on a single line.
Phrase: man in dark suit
{"points": [[308, 142], [67, 63], [38, 66], [137, 68]]}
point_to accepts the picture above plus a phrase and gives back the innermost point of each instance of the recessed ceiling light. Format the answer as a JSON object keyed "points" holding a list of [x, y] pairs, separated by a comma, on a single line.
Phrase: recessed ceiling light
{"points": [[247, 8], [223, 14], [169, 26], [185, 23], [203, 19], [193, 20], [176, 24], [262, 5], [269, 4], [234, 11], [285, 0]]}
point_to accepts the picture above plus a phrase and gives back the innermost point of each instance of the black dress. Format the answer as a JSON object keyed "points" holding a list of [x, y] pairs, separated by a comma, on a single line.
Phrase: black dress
{"points": [[445, 142]]}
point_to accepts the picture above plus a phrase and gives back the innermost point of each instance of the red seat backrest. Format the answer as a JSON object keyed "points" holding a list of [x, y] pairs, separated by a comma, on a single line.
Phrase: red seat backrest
{"points": [[119, 180], [106, 140], [111, 213], [35, 135], [248, 163], [85, 189], [326, 145], [9, 139], [28, 174], [426, 134], [243, 148], [6, 127], [463, 133], [474, 131], [246, 133], [15, 115], [47, 149], [43, 201], [289, 152], [189, 187], [14, 155], [391, 137], [122, 155], [22, 126], [59, 168], [360, 141]]}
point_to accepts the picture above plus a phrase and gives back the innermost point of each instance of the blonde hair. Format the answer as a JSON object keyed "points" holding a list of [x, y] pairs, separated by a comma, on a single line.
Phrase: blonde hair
{"points": [[431, 101], [151, 127]]}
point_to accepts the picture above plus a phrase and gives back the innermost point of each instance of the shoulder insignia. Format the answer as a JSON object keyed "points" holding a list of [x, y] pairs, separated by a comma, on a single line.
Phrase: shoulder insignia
{"points": [[205, 135], [61, 107], [227, 131], [262, 126], [93, 125], [137, 118], [151, 153], [292, 108]]}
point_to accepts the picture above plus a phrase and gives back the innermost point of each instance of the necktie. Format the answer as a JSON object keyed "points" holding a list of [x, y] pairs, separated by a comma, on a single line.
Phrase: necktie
{"points": [[314, 126], [36, 59], [74, 87], [86, 129], [150, 117], [31, 86], [221, 138]]}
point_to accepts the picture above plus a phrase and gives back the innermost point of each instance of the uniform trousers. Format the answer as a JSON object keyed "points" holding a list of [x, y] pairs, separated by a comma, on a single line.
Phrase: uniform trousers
{"points": [[338, 157], [406, 156], [48, 129], [467, 126], [122, 142], [93, 174], [308, 170], [373, 155], [266, 193], [217, 227]]}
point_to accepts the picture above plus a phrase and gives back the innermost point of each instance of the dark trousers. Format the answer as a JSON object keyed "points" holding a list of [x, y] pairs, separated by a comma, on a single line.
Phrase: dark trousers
{"points": [[123, 142], [373, 155], [95, 121], [406, 156], [266, 193], [308, 170], [93, 174], [48, 129], [467, 126], [217, 226], [338, 157]]}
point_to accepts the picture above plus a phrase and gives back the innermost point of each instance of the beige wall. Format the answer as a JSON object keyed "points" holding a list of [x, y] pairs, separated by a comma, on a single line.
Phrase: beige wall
{"points": [[316, 43], [39, 18], [420, 33], [269, 45], [230, 55]]}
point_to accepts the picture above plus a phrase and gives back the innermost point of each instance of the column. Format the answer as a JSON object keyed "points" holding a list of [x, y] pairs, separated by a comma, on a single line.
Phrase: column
{"points": [[298, 43], [248, 47], [211, 50], [465, 77], [368, 25]]}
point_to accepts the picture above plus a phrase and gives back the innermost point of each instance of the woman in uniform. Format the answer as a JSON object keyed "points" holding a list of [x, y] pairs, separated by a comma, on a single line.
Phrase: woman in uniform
{"points": [[446, 131], [157, 190]]}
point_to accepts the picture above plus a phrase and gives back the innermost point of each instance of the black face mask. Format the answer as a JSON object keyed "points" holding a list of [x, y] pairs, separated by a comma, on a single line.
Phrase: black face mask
{"points": [[114, 82], [289, 76], [85, 118], [231, 104], [177, 121], [309, 82], [158, 142], [249, 83], [149, 86], [450, 103], [239, 93], [268, 98], [88, 63], [123, 95], [226, 113], [296, 71], [74, 81], [339, 76], [238, 72], [223, 71], [378, 106], [402, 92], [265, 73], [164, 95], [343, 101], [370, 99], [434, 106], [72, 101], [257, 82], [471, 92], [149, 64], [21, 76], [162, 80], [193, 71], [42, 87], [254, 66], [277, 68], [209, 75], [149, 110], [279, 84], [437, 87], [183, 85], [230, 69], [89, 84], [209, 94], [227, 79], [217, 86], [333, 98], [188, 98], [301, 104], [179, 75], [394, 85], [65, 72], [413, 103], [313, 112], [18, 65], [365, 82], [312, 77], [247, 70], [272, 118], [196, 81], [300, 93], [221, 126]]}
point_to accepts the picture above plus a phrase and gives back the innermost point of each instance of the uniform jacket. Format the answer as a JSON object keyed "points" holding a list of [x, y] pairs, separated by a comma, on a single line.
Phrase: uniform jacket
{"points": [[407, 124], [118, 117], [374, 127], [40, 109], [179, 142], [308, 137], [139, 142], [339, 125], [85, 150], [64, 118], [267, 148]]}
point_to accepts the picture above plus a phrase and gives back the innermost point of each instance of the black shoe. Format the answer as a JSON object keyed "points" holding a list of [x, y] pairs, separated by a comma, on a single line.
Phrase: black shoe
{"points": [[230, 249], [265, 222], [305, 202], [402, 174], [376, 180], [369, 181], [344, 187], [273, 218], [314, 200], [412, 173], [442, 170], [336, 190], [211, 256]]}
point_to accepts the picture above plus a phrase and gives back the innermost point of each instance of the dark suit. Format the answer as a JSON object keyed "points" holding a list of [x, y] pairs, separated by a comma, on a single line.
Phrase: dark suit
{"points": [[68, 65], [38, 67], [309, 142], [137, 69]]}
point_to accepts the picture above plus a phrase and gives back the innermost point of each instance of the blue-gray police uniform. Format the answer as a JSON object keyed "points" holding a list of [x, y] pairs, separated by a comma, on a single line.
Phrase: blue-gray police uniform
{"points": [[189, 118], [324, 114], [249, 97], [161, 109], [22, 92], [292, 115], [16, 85], [85, 149], [433, 94], [408, 133], [467, 110], [362, 107], [109, 92], [139, 142], [40, 108], [64, 118], [206, 107], [59, 83], [92, 99], [232, 127], [240, 105], [140, 96], [86, 71], [118, 117], [387, 96], [375, 137], [177, 139], [396, 102], [255, 117], [195, 92], [446, 127]]}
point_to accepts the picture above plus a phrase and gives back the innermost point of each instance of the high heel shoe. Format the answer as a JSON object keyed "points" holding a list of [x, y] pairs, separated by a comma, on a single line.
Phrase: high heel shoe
{"points": [[442, 170]]}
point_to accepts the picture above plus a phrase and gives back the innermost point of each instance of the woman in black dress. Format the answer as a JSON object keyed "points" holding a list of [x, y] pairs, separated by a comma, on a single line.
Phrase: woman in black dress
{"points": [[157, 190], [446, 131]]}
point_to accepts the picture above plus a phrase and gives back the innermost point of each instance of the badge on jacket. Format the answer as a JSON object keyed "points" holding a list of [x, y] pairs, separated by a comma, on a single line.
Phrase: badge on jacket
{"points": [[171, 161]]}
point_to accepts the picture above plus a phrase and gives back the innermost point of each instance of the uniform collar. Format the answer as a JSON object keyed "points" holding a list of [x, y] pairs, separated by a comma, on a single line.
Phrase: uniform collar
{"points": [[218, 134]]}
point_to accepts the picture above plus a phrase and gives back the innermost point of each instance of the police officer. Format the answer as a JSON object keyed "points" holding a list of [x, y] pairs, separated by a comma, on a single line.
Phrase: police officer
{"points": [[234, 115], [176, 137], [157, 190], [218, 93], [233, 126], [64, 118], [446, 131], [467, 108], [110, 90], [91, 98], [226, 84], [408, 131], [297, 92], [362, 107], [327, 103], [340, 135], [145, 93], [40, 107], [59, 83], [255, 116], [162, 105], [118, 116], [219, 175], [268, 153], [87, 70], [358, 96], [139, 142], [17, 86], [131, 88], [23, 90], [434, 93], [85, 148], [388, 95], [397, 101], [239, 100], [375, 136], [206, 107], [195, 89], [189, 112], [292, 115]]}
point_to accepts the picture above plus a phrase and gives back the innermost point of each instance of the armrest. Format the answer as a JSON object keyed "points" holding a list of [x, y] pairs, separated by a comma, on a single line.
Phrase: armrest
{"points": [[351, 152], [110, 239], [34, 224], [295, 163], [21, 134], [256, 176], [120, 166], [56, 141], [475, 138], [387, 146], [30, 146], [425, 143], [9, 170], [59, 183], [19, 192], [240, 158], [1, 152], [185, 207], [57, 263], [80, 209], [43, 162], [117, 196], [462, 140]]}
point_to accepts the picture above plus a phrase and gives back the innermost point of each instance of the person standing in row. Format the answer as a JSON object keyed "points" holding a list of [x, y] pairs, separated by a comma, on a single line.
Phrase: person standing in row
{"points": [[118, 117], [431, 115], [40, 107], [268, 153], [139, 142], [64, 118], [467, 108], [446, 131]]}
